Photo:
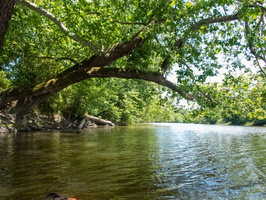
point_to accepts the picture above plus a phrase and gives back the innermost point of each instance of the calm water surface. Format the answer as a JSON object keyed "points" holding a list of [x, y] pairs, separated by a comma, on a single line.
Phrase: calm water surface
{"points": [[152, 161]]}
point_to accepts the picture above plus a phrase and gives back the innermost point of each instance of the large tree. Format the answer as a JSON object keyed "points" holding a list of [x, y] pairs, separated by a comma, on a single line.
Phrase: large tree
{"points": [[53, 44]]}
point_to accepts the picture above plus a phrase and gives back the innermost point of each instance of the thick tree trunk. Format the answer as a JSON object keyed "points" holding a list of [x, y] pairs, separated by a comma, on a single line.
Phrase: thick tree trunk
{"points": [[22, 107], [6, 8]]}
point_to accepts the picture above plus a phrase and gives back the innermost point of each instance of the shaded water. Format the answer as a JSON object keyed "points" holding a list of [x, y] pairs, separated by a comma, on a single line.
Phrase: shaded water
{"points": [[155, 161]]}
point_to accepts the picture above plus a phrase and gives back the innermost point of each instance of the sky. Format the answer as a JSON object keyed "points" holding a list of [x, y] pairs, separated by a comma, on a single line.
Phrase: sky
{"points": [[172, 76]]}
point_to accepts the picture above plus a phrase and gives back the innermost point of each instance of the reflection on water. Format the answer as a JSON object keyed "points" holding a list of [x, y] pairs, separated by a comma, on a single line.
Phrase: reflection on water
{"points": [[155, 161]]}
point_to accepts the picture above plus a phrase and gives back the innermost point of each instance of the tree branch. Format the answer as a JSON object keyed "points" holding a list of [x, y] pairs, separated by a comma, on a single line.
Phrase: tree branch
{"points": [[258, 6], [124, 48], [251, 48], [129, 23], [212, 20], [58, 23], [166, 64], [179, 43], [54, 85], [61, 58]]}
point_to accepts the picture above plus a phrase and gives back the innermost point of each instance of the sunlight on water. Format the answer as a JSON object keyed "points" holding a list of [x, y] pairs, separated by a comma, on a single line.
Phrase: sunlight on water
{"points": [[147, 161], [205, 161]]}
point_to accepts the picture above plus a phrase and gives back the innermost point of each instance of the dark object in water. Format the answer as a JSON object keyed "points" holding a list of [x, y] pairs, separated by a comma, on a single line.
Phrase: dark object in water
{"points": [[54, 196]]}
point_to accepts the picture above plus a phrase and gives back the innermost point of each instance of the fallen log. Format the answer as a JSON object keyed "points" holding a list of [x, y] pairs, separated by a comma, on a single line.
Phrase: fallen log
{"points": [[82, 123], [99, 121]]}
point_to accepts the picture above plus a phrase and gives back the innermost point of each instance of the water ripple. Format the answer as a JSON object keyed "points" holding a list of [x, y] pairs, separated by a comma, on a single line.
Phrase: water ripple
{"points": [[157, 161]]}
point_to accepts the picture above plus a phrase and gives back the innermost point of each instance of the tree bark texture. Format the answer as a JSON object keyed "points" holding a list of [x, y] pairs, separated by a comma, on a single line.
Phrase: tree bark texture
{"points": [[6, 8]]}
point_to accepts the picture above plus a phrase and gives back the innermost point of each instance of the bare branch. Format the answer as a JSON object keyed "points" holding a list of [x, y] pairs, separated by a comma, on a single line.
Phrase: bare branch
{"points": [[58, 23]]}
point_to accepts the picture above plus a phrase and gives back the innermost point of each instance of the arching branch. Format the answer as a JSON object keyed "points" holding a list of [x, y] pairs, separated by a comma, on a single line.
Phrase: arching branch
{"points": [[54, 85], [179, 43]]}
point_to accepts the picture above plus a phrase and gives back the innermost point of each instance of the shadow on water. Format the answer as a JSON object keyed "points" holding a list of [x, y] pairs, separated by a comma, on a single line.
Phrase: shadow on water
{"points": [[152, 161]]}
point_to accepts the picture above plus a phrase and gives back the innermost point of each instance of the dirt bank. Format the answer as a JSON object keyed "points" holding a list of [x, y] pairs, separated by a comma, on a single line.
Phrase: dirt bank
{"points": [[35, 122]]}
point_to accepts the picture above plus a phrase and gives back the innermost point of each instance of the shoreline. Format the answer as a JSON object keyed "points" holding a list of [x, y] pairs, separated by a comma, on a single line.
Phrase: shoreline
{"points": [[34, 122]]}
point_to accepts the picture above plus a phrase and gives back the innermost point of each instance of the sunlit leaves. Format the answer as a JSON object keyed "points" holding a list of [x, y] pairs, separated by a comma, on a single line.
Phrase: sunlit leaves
{"points": [[4, 81], [241, 101], [38, 50], [121, 101], [99, 21]]}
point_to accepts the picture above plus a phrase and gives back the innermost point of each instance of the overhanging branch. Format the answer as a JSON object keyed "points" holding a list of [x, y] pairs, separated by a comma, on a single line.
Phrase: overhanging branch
{"points": [[179, 43], [58, 23], [54, 85]]}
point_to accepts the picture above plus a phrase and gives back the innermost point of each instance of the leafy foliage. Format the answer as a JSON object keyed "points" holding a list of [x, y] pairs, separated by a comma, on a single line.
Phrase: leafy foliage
{"points": [[121, 101], [4, 81], [49, 41], [35, 39], [241, 101]]}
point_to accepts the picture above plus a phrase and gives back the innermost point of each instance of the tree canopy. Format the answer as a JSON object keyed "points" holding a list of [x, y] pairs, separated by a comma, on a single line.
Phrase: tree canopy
{"points": [[241, 102], [51, 45]]}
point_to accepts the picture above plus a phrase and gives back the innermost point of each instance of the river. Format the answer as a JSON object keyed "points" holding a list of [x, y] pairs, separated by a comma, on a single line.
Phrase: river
{"points": [[146, 161]]}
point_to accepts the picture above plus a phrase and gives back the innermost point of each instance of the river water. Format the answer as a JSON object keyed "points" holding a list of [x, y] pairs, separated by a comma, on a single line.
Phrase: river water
{"points": [[147, 161]]}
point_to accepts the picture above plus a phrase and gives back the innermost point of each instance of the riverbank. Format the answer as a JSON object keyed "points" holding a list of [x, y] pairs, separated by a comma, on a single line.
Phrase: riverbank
{"points": [[35, 122]]}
